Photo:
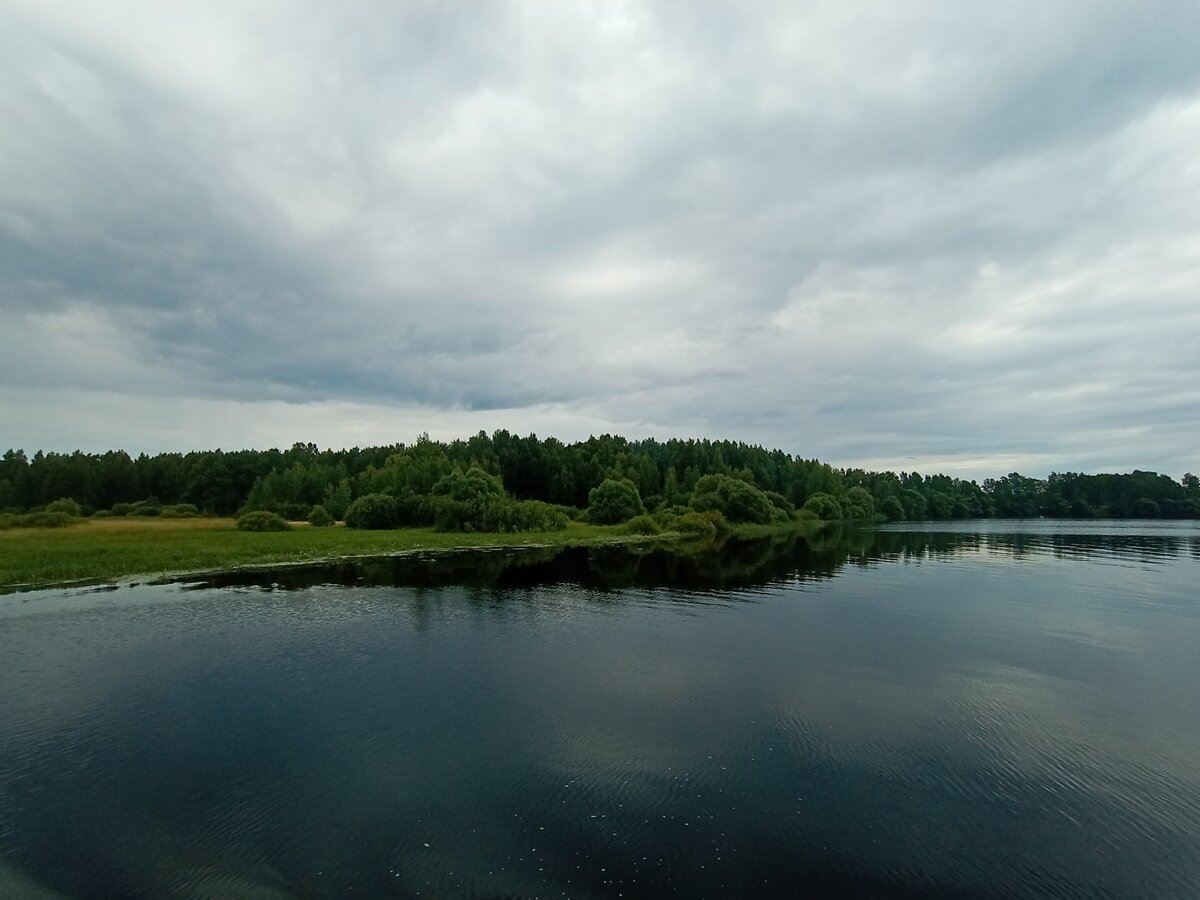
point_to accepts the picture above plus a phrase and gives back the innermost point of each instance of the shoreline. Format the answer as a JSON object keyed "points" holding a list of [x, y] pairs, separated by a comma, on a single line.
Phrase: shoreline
{"points": [[116, 553]]}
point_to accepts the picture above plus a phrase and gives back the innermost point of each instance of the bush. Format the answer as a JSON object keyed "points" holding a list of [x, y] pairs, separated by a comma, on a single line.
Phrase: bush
{"points": [[614, 500], [319, 517], [642, 524], [706, 525], [737, 500], [262, 520], [525, 515], [40, 519], [121, 509], [461, 499], [148, 507], [378, 511], [65, 505], [859, 504], [102, 514], [179, 511], [824, 506]]}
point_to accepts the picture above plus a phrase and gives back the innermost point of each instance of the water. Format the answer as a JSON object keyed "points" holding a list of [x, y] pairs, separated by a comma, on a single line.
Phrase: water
{"points": [[987, 710]]}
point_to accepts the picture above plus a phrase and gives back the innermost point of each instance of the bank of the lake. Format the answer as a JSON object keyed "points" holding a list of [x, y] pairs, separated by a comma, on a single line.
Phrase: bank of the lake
{"points": [[99, 550]]}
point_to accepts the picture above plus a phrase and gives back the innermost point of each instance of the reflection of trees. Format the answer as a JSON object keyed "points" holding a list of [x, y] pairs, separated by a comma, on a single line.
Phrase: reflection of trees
{"points": [[732, 564]]}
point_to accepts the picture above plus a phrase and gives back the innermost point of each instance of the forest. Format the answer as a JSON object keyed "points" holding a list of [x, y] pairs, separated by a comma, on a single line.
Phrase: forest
{"points": [[505, 482]]}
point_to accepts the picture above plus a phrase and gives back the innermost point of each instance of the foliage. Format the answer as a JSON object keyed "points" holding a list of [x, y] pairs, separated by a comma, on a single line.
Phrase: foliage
{"points": [[319, 517], [65, 505], [262, 520], [462, 499], [614, 500], [642, 524], [375, 511], [507, 515], [41, 519], [824, 507], [736, 499], [179, 511], [291, 481], [859, 505], [891, 509], [707, 524]]}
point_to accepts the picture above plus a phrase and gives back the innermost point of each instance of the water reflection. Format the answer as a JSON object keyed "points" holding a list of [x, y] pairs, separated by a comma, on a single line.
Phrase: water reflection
{"points": [[854, 714], [730, 565]]}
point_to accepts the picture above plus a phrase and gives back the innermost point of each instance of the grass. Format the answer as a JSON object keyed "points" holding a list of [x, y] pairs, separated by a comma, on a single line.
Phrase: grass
{"points": [[109, 549]]}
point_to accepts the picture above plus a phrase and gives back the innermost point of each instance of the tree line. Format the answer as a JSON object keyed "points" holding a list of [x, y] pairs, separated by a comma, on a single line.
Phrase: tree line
{"points": [[503, 473]]}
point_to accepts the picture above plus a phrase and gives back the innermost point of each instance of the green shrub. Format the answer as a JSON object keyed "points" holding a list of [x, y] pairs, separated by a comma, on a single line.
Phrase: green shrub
{"points": [[121, 509], [377, 511], [735, 499], [859, 504], [262, 520], [319, 517], [40, 519], [781, 503], [642, 524], [824, 506], [102, 514], [148, 507], [65, 505], [695, 524], [179, 511], [614, 500]]}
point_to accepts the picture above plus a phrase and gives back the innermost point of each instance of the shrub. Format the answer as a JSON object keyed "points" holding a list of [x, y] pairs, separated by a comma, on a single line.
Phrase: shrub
{"points": [[524, 515], [121, 509], [262, 520], [781, 502], [179, 511], [319, 517], [65, 505], [462, 498], [40, 519], [102, 514], [642, 524], [376, 511], [697, 524], [824, 506], [148, 507], [859, 504], [614, 500], [737, 500]]}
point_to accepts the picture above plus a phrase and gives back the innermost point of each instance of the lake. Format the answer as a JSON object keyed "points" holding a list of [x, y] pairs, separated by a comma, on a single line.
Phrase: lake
{"points": [[980, 710]]}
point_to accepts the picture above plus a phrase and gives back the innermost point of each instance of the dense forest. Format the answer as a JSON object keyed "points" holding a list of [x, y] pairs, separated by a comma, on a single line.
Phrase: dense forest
{"points": [[610, 476]]}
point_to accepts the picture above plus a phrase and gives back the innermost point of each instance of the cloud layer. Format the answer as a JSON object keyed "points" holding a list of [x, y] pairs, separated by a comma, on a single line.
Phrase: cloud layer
{"points": [[963, 238]]}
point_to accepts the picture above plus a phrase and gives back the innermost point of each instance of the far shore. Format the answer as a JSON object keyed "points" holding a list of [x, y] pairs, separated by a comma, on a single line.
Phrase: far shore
{"points": [[124, 551]]}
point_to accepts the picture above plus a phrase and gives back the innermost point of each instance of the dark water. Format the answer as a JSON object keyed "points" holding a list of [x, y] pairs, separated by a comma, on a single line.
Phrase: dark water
{"points": [[1002, 711]]}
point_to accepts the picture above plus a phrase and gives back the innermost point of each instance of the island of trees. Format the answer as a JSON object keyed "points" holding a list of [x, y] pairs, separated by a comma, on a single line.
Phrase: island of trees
{"points": [[505, 482]]}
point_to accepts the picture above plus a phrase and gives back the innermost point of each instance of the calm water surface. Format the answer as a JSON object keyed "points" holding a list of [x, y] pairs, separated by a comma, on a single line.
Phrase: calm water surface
{"points": [[986, 710]]}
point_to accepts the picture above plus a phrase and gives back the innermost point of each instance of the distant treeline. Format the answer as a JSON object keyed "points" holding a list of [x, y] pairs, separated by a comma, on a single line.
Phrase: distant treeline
{"points": [[665, 474]]}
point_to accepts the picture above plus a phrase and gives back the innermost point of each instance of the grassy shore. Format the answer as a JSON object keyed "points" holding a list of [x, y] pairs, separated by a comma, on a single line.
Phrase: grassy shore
{"points": [[111, 549]]}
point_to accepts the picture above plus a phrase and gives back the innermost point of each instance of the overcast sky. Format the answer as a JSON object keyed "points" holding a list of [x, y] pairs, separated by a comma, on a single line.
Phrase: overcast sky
{"points": [[946, 236]]}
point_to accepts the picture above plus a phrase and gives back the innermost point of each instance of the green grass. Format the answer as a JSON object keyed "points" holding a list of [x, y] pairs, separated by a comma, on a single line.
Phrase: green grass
{"points": [[109, 549]]}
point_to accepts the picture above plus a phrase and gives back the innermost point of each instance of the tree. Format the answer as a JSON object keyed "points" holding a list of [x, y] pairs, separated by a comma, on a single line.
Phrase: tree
{"points": [[372, 511], [735, 499], [824, 506], [614, 500]]}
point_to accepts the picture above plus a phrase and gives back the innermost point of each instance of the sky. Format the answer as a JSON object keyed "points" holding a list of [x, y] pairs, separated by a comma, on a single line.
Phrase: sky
{"points": [[957, 237]]}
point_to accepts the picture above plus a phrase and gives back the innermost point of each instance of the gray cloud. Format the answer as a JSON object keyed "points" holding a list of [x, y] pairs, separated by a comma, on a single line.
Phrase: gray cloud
{"points": [[912, 237]]}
